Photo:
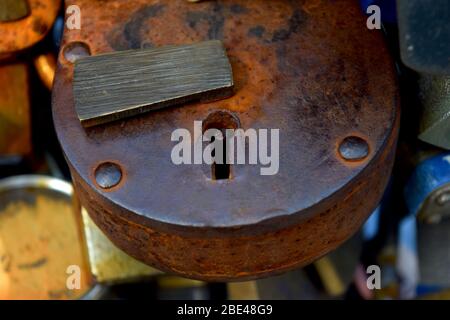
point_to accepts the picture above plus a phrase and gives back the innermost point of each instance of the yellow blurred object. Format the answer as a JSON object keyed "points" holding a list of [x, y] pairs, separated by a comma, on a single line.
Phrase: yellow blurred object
{"points": [[40, 240], [171, 282], [443, 295], [243, 290], [330, 278], [45, 66], [108, 263]]}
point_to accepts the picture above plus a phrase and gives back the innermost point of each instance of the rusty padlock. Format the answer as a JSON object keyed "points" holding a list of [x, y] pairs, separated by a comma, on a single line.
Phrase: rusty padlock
{"points": [[308, 68]]}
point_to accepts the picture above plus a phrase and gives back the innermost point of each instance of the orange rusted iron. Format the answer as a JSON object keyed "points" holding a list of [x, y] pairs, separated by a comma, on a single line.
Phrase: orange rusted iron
{"points": [[309, 68], [24, 33], [15, 113]]}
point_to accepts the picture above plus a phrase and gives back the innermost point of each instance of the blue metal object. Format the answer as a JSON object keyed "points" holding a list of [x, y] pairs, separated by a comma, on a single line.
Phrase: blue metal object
{"points": [[371, 226], [428, 176], [407, 263], [57, 32]]}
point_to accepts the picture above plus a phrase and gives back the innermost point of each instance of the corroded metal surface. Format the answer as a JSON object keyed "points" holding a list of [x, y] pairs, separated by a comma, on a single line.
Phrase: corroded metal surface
{"points": [[23, 33], [308, 68], [15, 113]]}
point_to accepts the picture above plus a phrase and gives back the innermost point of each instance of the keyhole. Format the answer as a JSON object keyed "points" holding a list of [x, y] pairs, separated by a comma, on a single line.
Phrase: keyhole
{"points": [[221, 171], [221, 120]]}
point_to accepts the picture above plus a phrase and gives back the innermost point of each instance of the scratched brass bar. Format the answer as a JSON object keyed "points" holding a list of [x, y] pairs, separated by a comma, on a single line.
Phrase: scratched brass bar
{"points": [[117, 85]]}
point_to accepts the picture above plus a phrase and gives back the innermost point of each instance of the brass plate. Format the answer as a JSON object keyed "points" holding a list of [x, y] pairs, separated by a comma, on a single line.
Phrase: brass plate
{"points": [[116, 85]]}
